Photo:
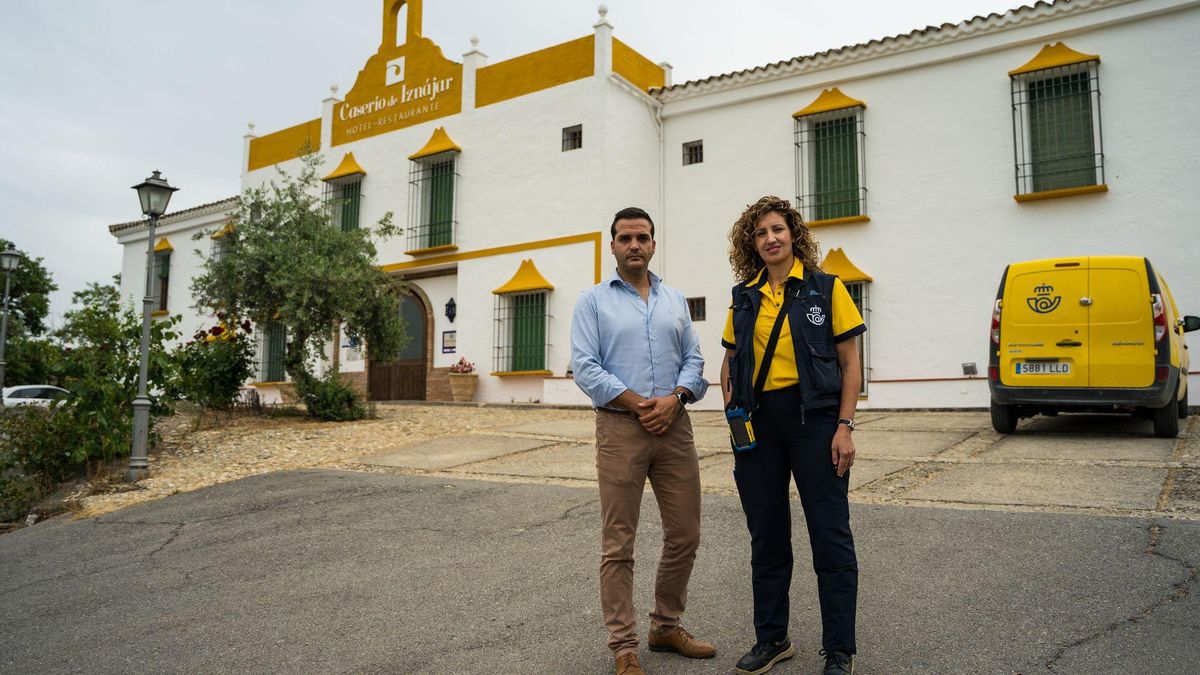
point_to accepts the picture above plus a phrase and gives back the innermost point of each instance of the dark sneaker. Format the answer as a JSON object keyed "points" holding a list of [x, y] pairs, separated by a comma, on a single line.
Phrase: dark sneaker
{"points": [[764, 656], [837, 663]]}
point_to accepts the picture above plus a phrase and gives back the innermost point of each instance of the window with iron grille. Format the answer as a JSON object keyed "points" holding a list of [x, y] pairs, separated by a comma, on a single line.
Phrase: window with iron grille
{"points": [[696, 308], [220, 246], [162, 279], [344, 199], [272, 345], [830, 161], [520, 336], [1056, 128], [858, 293], [432, 182], [693, 152], [572, 138]]}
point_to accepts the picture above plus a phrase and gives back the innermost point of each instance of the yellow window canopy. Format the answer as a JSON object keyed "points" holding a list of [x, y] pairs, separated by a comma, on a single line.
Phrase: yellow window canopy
{"points": [[830, 99], [527, 278], [1054, 56], [163, 245], [229, 227], [438, 143], [349, 168], [838, 264]]}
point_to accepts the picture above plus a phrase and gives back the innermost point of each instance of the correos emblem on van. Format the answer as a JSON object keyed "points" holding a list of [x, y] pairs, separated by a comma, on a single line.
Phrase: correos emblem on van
{"points": [[1042, 303]]}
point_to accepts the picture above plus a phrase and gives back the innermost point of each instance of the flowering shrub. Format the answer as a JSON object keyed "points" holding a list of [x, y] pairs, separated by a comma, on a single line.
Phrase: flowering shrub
{"points": [[215, 363], [463, 367]]}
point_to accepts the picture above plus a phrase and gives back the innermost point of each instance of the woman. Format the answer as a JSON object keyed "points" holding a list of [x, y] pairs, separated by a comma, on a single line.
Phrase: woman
{"points": [[802, 412]]}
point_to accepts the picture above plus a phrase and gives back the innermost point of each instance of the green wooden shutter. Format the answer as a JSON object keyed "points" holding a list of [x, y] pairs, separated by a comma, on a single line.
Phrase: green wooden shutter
{"points": [[162, 277], [350, 203], [835, 168], [274, 344], [1061, 144], [441, 204], [529, 331]]}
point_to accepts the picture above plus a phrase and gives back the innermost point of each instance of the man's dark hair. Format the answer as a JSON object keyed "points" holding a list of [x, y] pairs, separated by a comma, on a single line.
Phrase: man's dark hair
{"points": [[630, 213]]}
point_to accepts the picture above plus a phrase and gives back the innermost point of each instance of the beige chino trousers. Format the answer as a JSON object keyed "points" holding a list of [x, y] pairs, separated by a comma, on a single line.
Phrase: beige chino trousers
{"points": [[626, 455]]}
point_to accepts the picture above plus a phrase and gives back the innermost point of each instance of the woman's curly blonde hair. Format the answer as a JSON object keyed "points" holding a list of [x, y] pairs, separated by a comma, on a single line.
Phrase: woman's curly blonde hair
{"points": [[744, 258]]}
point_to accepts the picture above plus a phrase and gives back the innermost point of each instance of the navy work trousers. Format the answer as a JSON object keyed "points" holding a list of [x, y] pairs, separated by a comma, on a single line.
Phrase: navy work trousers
{"points": [[792, 447]]}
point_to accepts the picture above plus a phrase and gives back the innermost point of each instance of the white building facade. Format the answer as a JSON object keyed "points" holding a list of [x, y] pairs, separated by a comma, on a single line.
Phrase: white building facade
{"points": [[924, 164]]}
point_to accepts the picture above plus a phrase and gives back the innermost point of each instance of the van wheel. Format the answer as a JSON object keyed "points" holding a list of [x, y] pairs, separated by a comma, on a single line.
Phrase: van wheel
{"points": [[1166, 419], [1183, 405], [1004, 417]]}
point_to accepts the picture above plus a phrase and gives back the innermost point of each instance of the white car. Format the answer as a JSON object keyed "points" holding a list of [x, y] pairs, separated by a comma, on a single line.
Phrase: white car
{"points": [[34, 394]]}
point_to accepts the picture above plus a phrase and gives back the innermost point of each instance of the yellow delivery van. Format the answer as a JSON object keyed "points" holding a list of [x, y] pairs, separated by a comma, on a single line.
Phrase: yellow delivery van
{"points": [[1090, 334]]}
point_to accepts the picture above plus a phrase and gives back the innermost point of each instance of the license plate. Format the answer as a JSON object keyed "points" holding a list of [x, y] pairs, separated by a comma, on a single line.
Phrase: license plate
{"points": [[1043, 368]]}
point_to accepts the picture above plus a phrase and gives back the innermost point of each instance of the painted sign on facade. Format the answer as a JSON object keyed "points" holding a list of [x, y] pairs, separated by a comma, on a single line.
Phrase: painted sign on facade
{"points": [[401, 85]]}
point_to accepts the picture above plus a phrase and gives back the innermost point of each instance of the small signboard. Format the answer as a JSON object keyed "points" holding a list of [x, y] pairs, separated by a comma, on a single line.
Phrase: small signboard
{"points": [[449, 341]]}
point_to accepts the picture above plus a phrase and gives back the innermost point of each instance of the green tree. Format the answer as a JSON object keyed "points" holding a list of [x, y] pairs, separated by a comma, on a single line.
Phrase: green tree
{"points": [[29, 295], [285, 261], [102, 348], [30, 357]]}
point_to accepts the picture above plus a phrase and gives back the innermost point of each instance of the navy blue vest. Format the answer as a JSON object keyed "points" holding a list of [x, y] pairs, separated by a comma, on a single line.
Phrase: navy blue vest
{"points": [[810, 319]]}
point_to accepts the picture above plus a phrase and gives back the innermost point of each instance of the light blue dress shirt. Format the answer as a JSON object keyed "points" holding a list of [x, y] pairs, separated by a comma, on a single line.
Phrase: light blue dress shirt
{"points": [[619, 342]]}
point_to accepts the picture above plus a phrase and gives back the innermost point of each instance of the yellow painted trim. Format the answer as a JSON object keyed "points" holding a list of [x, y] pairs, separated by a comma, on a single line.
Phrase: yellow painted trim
{"points": [[827, 100], [535, 71], [592, 237], [1064, 192], [432, 249], [527, 278], [837, 263], [438, 143], [160, 312], [284, 144], [838, 221], [267, 384], [163, 245], [512, 373], [348, 167], [641, 71], [229, 227], [1054, 56]]}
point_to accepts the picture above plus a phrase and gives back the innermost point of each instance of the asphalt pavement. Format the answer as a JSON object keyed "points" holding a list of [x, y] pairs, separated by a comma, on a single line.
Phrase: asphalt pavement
{"points": [[355, 572]]}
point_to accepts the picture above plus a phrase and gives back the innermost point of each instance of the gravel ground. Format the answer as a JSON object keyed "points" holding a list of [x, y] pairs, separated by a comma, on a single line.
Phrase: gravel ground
{"points": [[238, 445]]}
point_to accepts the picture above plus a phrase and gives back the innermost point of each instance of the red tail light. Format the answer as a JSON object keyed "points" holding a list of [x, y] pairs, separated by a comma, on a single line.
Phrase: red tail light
{"points": [[996, 323], [994, 373], [1160, 374], [1160, 317]]}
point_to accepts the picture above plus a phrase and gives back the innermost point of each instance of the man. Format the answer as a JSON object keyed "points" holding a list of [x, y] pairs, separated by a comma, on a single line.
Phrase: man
{"points": [[636, 356]]}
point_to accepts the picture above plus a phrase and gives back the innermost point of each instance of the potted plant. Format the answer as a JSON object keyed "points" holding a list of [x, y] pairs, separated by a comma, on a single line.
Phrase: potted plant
{"points": [[463, 379]]}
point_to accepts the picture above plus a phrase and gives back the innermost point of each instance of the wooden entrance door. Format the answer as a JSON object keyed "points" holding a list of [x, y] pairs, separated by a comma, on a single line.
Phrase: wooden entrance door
{"points": [[404, 378]]}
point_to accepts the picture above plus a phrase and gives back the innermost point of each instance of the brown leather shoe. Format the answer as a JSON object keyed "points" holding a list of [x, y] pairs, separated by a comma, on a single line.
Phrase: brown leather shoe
{"points": [[627, 664], [676, 639]]}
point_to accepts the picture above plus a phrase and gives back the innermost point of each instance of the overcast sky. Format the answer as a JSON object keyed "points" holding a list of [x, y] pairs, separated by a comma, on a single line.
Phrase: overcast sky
{"points": [[97, 93]]}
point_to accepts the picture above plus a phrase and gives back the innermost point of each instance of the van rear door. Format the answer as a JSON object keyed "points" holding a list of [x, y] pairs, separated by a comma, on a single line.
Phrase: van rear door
{"points": [[1122, 329], [1044, 326]]}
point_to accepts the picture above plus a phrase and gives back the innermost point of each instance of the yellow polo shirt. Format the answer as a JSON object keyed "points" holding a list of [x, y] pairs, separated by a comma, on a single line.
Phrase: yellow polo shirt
{"points": [[846, 324]]}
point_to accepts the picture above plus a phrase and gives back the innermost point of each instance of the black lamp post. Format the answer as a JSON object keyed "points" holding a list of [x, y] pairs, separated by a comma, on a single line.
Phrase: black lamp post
{"points": [[154, 194], [10, 257]]}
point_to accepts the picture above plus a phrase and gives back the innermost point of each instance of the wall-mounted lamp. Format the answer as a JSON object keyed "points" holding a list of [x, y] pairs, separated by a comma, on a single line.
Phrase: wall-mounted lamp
{"points": [[451, 310]]}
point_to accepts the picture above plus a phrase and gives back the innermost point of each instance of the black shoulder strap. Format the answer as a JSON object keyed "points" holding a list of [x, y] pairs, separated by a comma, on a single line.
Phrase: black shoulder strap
{"points": [[769, 352]]}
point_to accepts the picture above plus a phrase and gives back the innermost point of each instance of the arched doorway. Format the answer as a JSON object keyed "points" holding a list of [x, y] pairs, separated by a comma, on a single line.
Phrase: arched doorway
{"points": [[404, 378]]}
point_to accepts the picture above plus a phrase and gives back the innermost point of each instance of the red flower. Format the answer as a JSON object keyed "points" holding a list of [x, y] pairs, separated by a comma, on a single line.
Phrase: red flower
{"points": [[216, 330], [246, 325]]}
